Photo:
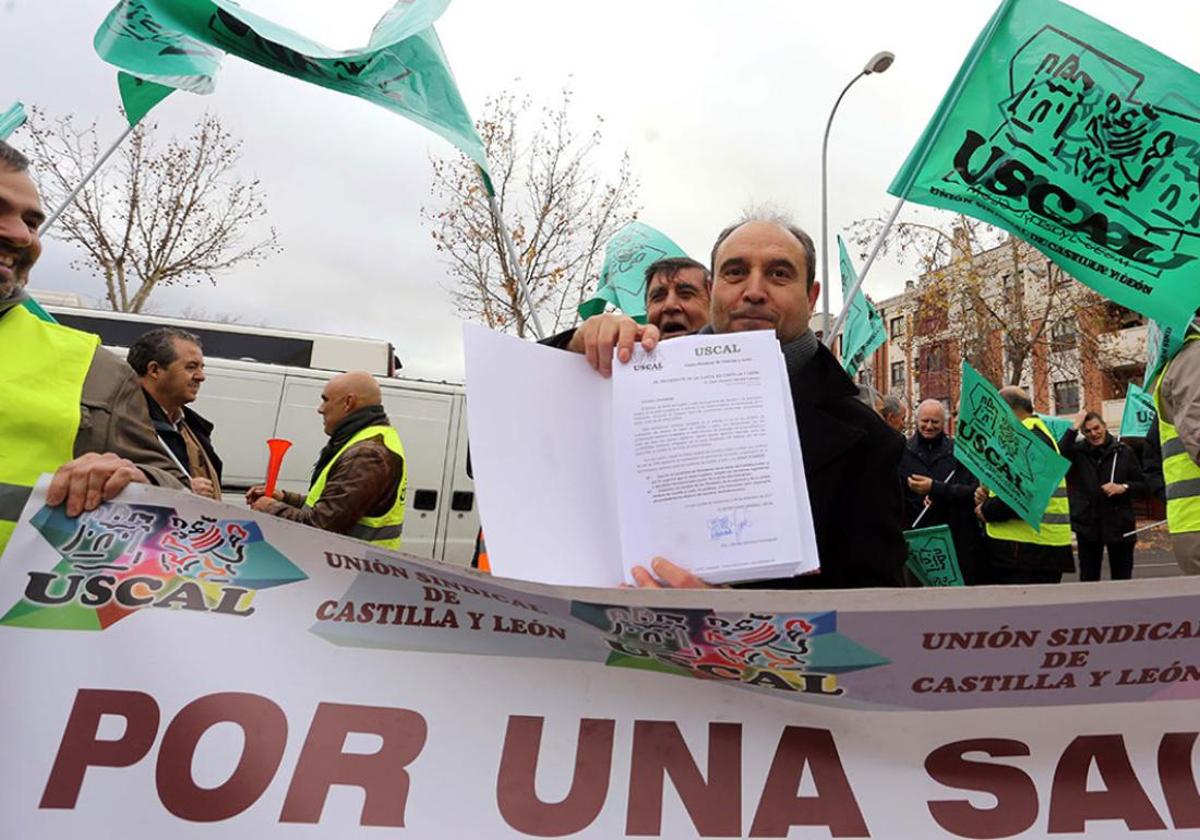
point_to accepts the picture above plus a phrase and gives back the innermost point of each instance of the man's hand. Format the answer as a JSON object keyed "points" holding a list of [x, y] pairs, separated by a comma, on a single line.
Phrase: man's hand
{"points": [[263, 503], [258, 491], [981, 495], [979, 512], [91, 479], [1079, 420], [1113, 489], [597, 336], [670, 576], [202, 486], [920, 484]]}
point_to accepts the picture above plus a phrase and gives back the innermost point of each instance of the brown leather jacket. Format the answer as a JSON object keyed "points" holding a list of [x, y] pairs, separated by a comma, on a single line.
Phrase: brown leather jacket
{"points": [[362, 482]]}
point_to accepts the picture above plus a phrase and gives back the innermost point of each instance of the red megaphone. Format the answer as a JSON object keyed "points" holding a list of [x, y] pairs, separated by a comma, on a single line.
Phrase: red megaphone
{"points": [[278, 447]]}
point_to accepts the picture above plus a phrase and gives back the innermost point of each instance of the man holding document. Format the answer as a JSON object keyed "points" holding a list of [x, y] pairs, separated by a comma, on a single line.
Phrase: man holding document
{"points": [[763, 273]]}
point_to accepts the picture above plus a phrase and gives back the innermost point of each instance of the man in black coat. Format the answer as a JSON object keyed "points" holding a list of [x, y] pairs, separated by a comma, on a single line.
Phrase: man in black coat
{"points": [[1105, 476], [764, 278], [941, 491]]}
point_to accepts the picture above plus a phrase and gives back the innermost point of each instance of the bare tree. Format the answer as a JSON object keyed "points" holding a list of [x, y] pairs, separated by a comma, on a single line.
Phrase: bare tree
{"points": [[560, 210], [997, 299], [150, 218]]}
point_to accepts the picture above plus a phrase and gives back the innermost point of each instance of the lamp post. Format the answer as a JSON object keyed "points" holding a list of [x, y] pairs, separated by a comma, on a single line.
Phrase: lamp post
{"points": [[878, 63]]}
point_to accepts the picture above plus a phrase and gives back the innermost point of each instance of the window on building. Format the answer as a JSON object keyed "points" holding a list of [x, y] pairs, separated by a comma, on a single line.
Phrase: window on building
{"points": [[1066, 397], [897, 327], [934, 358], [1063, 335], [897, 374]]}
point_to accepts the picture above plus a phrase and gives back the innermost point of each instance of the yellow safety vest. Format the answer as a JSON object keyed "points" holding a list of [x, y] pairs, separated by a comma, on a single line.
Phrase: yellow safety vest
{"points": [[1180, 473], [383, 531], [41, 381], [1056, 518]]}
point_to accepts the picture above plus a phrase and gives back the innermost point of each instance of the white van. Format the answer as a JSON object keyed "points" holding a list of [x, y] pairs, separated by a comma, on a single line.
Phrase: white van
{"points": [[263, 383]]}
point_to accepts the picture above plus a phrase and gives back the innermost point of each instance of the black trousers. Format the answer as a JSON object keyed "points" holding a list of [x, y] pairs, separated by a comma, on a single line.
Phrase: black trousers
{"points": [[1091, 559], [1023, 577]]}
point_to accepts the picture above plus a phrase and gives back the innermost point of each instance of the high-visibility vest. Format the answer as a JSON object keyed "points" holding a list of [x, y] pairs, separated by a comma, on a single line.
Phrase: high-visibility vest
{"points": [[41, 381], [383, 531], [1180, 473], [1056, 518]]}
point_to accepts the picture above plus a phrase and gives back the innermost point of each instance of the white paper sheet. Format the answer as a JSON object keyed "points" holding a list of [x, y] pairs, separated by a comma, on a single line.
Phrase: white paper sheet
{"points": [[703, 460]]}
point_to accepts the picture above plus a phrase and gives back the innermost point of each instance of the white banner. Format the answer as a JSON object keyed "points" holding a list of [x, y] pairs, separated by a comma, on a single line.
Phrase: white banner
{"points": [[181, 668]]}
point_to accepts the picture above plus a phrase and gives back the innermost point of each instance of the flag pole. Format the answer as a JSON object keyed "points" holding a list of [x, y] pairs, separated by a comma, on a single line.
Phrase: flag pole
{"points": [[1144, 528], [862, 275], [58, 211], [514, 258], [921, 516]]}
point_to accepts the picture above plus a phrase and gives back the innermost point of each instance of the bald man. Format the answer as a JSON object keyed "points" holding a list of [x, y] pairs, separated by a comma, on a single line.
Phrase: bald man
{"points": [[360, 479], [1019, 554]]}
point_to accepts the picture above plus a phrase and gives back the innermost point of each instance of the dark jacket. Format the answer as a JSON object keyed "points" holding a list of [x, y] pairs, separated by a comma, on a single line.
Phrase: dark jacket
{"points": [[851, 460], [1019, 556], [953, 501], [173, 439], [1095, 516]]}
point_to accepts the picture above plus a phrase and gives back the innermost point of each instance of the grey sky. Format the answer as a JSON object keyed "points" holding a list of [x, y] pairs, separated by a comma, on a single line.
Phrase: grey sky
{"points": [[721, 105]]}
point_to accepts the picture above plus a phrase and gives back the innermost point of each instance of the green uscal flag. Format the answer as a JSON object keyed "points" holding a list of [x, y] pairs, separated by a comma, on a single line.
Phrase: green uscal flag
{"points": [[402, 68], [1140, 413], [138, 37], [1162, 343], [932, 558], [1081, 140], [1010, 459], [11, 120], [138, 96], [863, 332], [623, 277]]}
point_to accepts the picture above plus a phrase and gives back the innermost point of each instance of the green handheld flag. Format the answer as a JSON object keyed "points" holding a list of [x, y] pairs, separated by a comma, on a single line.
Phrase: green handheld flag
{"points": [[11, 120], [140, 37], [623, 277], [1010, 459], [402, 68], [932, 558], [864, 331], [36, 308], [1081, 140], [1058, 426], [1140, 412], [138, 96], [1162, 343]]}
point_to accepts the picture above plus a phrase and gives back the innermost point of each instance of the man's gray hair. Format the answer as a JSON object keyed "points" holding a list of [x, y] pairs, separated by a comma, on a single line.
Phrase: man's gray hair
{"points": [[941, 407], [11, 159], [892, 405], [775, 218], [158, 345], [868, 396]]}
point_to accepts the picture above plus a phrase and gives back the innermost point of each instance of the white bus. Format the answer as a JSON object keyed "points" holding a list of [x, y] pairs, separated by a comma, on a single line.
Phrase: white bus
{"points": [[263, 383]]}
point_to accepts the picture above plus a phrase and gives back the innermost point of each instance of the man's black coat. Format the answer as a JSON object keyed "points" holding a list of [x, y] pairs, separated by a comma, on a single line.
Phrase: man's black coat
{"points": [[952, 497]]}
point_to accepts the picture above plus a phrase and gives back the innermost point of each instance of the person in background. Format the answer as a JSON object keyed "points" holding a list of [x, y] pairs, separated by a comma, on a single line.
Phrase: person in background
{"points": [[1177, 399], [169, 364], [894, 412], [1105, 476]]}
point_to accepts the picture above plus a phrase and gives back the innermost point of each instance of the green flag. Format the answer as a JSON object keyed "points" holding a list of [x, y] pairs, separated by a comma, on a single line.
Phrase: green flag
{"points": [[1010, 459], [1162, 343], [138, 96], [402, 68], [1081, 140], [36, 308], [11, 120], [1140, 413], [932, 558], [623, 277], [1058, 426], [863, 331], [138, 37]]}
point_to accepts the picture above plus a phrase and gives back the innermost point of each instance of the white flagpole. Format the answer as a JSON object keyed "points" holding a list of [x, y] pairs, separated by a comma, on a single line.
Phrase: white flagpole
{"points": [[1144, 528], [862, 275], [514, 259], [58, 211], [921, 516]]}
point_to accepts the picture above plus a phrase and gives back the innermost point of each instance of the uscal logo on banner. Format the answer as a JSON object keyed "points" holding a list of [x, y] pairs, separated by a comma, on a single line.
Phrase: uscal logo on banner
{"points": [[123, 558]]}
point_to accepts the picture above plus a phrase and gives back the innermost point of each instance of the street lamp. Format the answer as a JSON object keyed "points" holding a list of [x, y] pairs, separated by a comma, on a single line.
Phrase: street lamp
{"points": [[878, 63]]}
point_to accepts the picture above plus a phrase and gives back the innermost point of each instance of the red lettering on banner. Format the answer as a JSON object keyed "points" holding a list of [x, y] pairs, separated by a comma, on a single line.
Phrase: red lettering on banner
{"points": [[80, 749], [264, 728], [715, 804], [516, 792], [834, 806], [1072, 804], [381, 775], [1016, 807], [1178, 779]]}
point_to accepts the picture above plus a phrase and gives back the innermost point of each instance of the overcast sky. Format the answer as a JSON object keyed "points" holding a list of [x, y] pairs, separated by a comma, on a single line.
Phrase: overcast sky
{"points": [[720, 103]]}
